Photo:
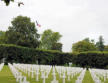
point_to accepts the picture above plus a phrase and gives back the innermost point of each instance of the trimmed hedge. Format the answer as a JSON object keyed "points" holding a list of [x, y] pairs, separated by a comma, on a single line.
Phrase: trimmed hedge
{"points": [[92, 59], [18, 54]]}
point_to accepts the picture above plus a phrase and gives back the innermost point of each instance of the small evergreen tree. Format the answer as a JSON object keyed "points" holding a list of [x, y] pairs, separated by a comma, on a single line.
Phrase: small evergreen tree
{"points": [[100, 44]]}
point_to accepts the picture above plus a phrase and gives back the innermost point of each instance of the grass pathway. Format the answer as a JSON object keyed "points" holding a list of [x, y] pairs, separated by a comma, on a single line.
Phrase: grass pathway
{"points": [[87, 78], [6, 76]]}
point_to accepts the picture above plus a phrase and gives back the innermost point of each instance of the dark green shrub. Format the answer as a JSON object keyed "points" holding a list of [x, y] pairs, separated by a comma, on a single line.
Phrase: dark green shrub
{"points": [[18, 54], [92, 59]]}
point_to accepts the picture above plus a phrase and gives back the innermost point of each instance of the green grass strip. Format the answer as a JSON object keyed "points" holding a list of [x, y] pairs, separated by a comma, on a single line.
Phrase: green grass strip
{"points": [[87, 78], [6, 76]]}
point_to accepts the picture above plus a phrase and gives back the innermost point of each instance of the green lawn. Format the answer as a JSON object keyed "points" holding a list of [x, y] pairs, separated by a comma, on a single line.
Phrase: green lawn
{"points": [[7, 77], [87, 78]]}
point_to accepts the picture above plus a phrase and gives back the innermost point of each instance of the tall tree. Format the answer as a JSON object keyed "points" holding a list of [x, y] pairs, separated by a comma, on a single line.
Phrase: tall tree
{"points": [[49, 38], [2, 37], [100, 44], [23, 32], [83, 46]]}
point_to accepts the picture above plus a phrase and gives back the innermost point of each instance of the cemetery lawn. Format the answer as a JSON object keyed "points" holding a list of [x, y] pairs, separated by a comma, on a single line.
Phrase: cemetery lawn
{"points": [[50, 78], [87, 78], [6, 76]]}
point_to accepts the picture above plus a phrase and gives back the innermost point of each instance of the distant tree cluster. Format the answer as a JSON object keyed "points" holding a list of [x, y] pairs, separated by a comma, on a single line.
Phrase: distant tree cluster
{"points": [[89, 45], [50, 40], [23, 32], [84, 45]]}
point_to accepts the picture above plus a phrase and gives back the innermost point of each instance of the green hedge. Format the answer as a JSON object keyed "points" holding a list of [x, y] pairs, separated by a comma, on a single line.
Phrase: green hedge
{"points": [[19, 54], [92, 59]]}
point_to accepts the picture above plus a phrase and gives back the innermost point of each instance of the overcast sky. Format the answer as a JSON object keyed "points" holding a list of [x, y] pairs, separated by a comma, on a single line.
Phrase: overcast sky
{"points": [[74, 19]]}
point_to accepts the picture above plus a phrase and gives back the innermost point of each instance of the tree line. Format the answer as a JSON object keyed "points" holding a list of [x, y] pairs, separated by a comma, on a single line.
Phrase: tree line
{"points": [[23, 32], [22, 43], [90, 45]]}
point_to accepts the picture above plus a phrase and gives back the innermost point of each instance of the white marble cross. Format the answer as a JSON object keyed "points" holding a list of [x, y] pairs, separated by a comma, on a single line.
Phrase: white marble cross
{"points": [[37, 73], [1, 66], [43, 77], [25, 81], [20, 78], [64, 77], [54, 76]]}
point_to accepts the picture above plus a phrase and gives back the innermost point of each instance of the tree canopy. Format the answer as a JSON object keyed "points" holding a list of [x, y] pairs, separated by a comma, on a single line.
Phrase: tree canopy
{"points": [[100, 44], [84, 45], [2, 37], [49, 38], [22, 32]]}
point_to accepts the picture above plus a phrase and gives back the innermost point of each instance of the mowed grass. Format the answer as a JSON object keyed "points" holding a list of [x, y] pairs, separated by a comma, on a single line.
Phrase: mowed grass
{"points": [[87, 78], [6, 76]]}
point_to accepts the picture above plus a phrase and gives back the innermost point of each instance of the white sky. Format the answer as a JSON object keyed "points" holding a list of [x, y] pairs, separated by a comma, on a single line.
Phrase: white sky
{"points": [[74, 19]]}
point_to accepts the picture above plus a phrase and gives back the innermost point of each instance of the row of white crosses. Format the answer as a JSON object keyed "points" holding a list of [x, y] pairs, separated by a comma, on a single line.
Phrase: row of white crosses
{"points": [[99, 73], [18, 75], [70, 72], [64, 73], [1, 66], [45, 70], [35, 70], [81, 76]]}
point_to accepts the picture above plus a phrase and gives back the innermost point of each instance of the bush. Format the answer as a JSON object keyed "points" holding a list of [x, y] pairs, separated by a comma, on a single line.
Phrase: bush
{"points": [[18, 54], [92, 59]]}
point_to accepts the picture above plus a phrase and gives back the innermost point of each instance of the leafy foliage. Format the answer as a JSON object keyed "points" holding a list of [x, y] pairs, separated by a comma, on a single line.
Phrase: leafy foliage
{"points": [[2, 37], [100, 44], [18, 54], [22, 32], [82, 46], [49, 38], [92, 59]]}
